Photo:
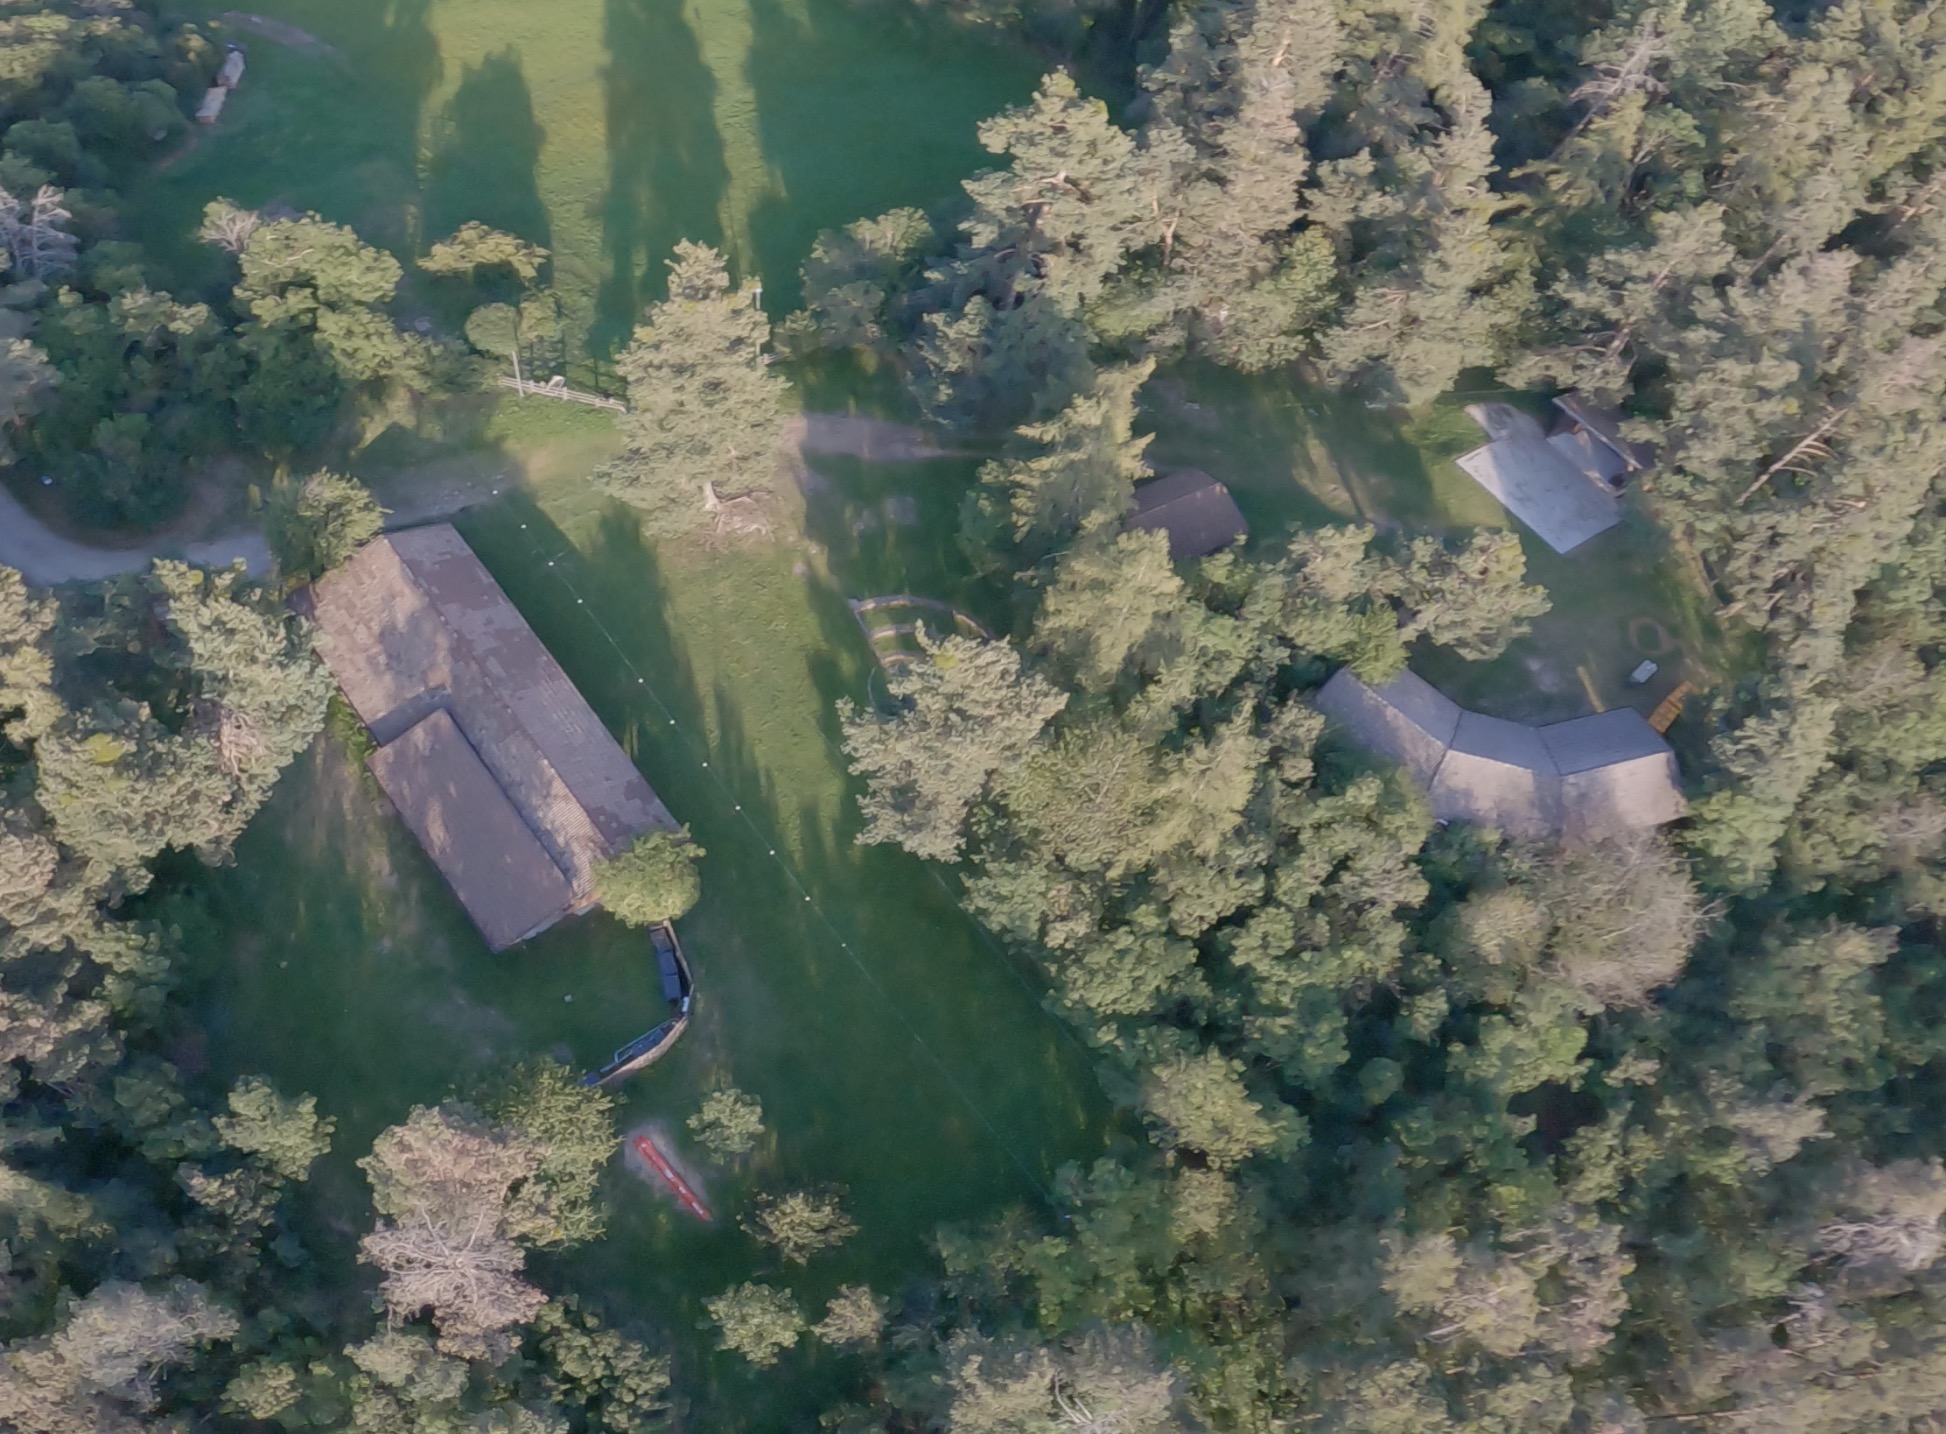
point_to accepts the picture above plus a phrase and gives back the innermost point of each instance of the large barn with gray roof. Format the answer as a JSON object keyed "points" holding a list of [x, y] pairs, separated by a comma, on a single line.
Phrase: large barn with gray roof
{"points": [[1581, 780], [498, 765]]}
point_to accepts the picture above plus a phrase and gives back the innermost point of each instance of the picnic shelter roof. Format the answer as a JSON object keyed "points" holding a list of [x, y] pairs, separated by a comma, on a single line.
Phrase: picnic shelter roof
{"points": [[1582, 780]]}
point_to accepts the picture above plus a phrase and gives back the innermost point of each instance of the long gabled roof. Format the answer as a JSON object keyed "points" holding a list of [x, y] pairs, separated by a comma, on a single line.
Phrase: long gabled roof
{"points": [[1583, 779], [499, 870], [415, 625]]}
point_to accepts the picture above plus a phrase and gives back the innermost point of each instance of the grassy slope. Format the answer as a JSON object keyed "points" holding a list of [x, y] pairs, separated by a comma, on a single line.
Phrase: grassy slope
{"points": [[606, 129]]}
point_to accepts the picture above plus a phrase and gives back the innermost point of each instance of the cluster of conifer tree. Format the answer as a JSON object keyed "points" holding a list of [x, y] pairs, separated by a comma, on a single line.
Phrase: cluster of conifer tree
{"points": [[133, 390], [1447, 1131]]}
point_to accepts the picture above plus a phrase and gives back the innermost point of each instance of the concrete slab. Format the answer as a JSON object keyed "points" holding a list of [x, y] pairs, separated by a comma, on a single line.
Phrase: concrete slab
{"points": [[1535, 482]]}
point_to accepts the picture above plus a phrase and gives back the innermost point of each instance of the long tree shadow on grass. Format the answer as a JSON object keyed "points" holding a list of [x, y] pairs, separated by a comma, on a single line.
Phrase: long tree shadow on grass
{"points": [[894, 1055], [834, 81], [486, 149], [873, 915], [666, 168]]}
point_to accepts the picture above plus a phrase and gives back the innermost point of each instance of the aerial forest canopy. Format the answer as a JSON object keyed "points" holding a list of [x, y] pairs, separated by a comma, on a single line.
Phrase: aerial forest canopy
{"points": [[1450, 1131], [1428, 1129]]}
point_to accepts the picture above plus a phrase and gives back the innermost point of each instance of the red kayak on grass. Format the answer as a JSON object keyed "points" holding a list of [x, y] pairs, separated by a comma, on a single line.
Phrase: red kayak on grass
{"points": [[644, 1145]]}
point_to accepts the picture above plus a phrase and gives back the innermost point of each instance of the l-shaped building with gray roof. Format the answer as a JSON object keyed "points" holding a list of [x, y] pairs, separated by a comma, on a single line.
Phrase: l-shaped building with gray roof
{"points": [[1581, 780]]}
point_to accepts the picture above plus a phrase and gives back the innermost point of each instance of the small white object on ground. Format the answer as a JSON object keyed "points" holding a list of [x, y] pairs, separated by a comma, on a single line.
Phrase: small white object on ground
{"points": [[1643, 672]]}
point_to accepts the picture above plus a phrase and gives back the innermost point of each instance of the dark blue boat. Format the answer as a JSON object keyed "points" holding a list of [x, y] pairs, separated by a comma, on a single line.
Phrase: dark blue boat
{"points": [[672, 968], [668, 958]]}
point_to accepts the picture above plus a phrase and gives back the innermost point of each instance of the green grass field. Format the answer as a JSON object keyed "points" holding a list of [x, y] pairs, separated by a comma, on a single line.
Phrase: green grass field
{"points": [[1295, 456], [897, 1052], [604, 129]]}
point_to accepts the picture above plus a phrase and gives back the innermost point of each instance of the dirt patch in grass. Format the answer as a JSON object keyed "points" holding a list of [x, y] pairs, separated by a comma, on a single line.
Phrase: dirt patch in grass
{"points": [[280, 33]]}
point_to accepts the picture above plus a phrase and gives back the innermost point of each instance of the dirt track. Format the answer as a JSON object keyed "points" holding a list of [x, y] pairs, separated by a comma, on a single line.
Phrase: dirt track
{"points": [[44, 557], [278, 33], [876, 440]]}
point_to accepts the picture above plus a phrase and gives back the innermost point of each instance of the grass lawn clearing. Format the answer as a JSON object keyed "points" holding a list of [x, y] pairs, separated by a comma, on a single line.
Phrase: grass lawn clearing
{"points": [[1294, 456], [604, 129], [897, 1051]]}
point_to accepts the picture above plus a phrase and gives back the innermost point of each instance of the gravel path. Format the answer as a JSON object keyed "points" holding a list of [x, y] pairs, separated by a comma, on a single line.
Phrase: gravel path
{"points": [[876, 440], [44, 557], [279, 33]]}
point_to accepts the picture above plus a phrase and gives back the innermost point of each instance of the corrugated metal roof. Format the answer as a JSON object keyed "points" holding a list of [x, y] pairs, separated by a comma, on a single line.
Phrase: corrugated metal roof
{"points": [[1532, 480], [501, 874]]}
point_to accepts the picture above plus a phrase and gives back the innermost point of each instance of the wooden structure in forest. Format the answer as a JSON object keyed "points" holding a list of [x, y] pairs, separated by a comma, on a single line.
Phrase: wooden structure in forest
{"points": [[1670, 708], [1195, 510], [1581, 780], [498, 765]]}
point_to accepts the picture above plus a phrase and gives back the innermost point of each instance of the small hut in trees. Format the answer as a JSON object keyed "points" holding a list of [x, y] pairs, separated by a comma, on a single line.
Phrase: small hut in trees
{"points": [[1581, 780], [1195, 510], [498, 765], [1590, 437]]}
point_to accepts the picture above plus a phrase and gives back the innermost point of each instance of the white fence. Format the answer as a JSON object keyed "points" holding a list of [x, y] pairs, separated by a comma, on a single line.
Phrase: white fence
{"points": [[559, 389]]}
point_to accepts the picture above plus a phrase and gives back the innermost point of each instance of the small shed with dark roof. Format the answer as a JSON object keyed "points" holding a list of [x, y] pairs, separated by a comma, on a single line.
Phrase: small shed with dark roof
{"points": [[1591, 436], [1581, 780], [1195, 510], [492, 757]]}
